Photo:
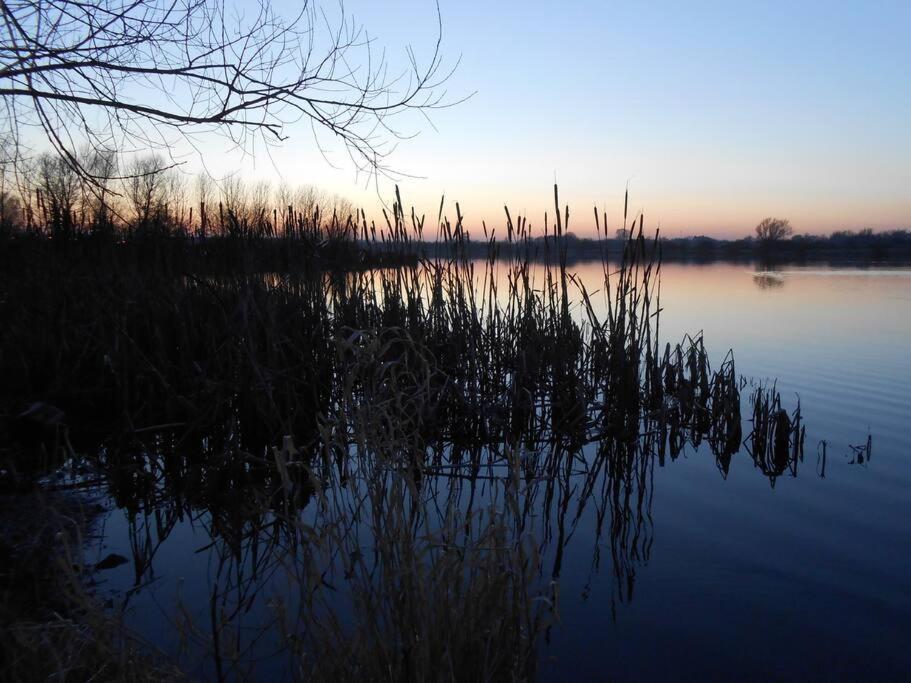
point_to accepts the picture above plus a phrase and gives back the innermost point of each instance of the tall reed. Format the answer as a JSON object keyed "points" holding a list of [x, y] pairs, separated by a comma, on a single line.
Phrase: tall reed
{"points": [[446, 425]]}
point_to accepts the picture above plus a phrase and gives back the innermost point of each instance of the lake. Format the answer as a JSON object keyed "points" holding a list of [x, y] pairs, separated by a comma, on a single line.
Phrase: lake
{"points": [[696, 571]]}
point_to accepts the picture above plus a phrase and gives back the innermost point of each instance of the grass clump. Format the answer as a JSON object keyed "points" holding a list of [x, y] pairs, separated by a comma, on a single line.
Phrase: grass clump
{"points": [[53, 628]]}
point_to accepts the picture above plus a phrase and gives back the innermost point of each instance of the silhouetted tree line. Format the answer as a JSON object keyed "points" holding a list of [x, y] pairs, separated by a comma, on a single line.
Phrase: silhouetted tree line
{"points": [[142, 195], [139, 211], [863, 244], [140, 200]]}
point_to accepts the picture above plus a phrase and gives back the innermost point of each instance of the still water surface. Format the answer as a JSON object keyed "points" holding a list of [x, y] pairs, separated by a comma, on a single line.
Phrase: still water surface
{"points": [[736, 577], [810, 579]]}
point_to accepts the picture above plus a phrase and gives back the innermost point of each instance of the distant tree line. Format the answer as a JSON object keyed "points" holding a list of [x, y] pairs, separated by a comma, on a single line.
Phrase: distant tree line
{"points": [[142, 196], [863, 244], [139, 197]]}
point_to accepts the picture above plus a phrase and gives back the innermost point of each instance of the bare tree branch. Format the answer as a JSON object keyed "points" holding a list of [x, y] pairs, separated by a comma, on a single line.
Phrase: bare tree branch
{"points": [[108, 71]]}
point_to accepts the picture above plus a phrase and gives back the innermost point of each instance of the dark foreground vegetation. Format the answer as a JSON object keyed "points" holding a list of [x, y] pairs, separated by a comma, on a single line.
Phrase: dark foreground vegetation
{"points": [[53, 629], [410, 447]]}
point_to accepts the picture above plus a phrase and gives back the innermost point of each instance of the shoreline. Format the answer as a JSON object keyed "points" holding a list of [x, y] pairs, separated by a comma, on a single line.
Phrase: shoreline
{"points": [[54, 626]]}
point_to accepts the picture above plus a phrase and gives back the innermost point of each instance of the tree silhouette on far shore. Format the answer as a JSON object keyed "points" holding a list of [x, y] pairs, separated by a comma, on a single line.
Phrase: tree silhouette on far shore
{"points": [[772, 230]]}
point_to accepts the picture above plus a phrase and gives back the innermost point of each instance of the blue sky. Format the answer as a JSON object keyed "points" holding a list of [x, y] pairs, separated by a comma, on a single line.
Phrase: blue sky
{"points": [[716, 113]]}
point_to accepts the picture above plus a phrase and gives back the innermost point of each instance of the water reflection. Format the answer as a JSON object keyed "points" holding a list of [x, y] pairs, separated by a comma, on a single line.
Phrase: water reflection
{"points": [[420, 516], [766, 280], [317, 560]]}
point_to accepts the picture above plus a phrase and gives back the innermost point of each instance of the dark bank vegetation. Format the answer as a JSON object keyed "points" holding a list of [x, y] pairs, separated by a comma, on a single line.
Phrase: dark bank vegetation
{"points": [[841, 247], [139, 210], [161, 223], [53, 628], [411, 448]]}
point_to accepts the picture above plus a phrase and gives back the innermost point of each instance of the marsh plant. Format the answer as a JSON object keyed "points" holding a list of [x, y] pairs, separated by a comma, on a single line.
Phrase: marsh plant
{"points": [[389, 461]]}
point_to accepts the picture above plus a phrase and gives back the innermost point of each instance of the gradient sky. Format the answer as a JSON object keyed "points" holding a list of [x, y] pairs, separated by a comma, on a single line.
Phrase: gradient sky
{"points": [[716, 113]]}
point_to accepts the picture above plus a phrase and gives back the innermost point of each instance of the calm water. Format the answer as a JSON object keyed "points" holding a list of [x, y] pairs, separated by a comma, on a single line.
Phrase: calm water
{"points": [[732, 577]]}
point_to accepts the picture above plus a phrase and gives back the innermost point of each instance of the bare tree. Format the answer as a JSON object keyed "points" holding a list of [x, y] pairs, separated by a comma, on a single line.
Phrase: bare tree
{"points": [[58, 190], [175, 199], [115, 71], [145, 190], [10, 207], [234, 195], [97, 195], [260, 209], [773, 229], [204, 191]]}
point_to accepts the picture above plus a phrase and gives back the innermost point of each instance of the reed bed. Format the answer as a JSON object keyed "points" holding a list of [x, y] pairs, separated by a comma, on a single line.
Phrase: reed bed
{"points": [[411, 448]]}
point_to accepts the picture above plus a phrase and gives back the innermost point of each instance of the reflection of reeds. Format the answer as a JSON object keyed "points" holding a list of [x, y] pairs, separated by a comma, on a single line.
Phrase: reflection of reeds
{"points": [[445, 426], [439, 586], [863, 452], [725, 431], [777, 439]]}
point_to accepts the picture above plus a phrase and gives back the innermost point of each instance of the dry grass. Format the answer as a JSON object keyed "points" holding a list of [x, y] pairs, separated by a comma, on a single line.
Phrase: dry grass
{"points": [[53, 629]]}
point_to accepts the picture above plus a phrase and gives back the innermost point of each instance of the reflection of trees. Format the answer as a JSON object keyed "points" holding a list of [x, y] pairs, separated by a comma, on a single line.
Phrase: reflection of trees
{"points": [[767, 281]]}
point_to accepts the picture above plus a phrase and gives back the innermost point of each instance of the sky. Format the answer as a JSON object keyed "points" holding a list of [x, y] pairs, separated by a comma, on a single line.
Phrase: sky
{"points": [[714, 114]]}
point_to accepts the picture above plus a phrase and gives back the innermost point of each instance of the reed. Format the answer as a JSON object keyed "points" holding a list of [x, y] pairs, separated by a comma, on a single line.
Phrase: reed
{"points": [[776, 442], [445, 423]]}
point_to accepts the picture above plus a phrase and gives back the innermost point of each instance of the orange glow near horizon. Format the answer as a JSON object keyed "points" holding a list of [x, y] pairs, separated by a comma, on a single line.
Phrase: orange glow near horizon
{"points": [[676, 217]]}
